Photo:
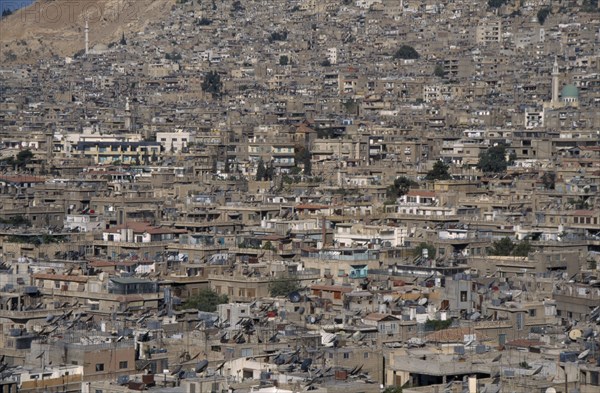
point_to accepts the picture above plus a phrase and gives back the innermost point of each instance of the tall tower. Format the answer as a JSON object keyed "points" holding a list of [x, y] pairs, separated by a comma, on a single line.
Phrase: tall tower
{"points": [[555, 83], [127, 115], [87, 37]]}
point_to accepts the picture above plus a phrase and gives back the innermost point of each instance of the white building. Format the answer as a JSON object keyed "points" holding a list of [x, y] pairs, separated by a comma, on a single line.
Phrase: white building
{"points": [[174, 141]]}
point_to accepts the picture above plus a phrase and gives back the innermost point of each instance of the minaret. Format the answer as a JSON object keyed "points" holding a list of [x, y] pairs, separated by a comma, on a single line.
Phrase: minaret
{"points": [[127, 115], [555, 83], [87, 37]]}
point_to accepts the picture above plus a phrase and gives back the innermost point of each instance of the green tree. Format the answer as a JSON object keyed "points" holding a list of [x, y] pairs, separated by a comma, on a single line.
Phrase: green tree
{"points": [[439, 172], [351, 106], [589, 6], [212, 83], [19, 161], [302, 155], [278, 36], [268, 245], [542, 14], [326, 63], [435, 325], [392, 389], [284, 60], [123, 40], [439, 71], [418, 251], [237, 6], [283, 286], [496, 3], [580, 203], [400, 187], [207, 300], [204, 21], [6, 12], [502, 247], [549, 180], [406, 52], [494, 159], [522, 249], [261, 171]]}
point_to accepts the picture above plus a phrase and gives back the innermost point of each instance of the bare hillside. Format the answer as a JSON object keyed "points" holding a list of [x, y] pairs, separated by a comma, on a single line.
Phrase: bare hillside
{"points": [[56, 27]]}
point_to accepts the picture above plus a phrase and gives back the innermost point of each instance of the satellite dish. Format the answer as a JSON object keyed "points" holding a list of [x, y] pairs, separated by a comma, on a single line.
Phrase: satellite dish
{"points": [[295, 297], [575, 334], [422, 301], [550, 390], [201, 366], [583, 354]]}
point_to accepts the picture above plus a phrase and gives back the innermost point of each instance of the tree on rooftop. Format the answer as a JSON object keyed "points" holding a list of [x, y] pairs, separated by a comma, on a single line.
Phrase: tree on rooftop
{"points": [[278, 36], [439, 71], [123, 40], [206, 300], [261, 171], [392, 389], [522, 249], [400, 187], [418, 251], [549, 180], [212, 83], [283, 286], [543, 13], [406, 52], [284, 60], [502, 247], [237, 6], [494, 159], [496, 3], [439, 172], [22, 158]]}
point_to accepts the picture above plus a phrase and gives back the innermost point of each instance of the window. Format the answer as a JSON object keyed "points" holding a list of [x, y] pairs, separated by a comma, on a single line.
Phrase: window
{"points": [[532, 312], [346, 355], [366, 355], [99, 367], [594, 378], [520, 321], [463, 296], [123, 364]]}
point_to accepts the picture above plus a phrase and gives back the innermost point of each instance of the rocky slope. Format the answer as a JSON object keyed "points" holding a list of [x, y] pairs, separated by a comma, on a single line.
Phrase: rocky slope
{"points": [[56, 27]]}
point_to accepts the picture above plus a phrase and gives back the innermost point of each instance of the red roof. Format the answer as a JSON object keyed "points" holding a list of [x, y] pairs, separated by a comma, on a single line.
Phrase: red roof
{"points": [[331, 288], [60, 277], [22, 179], [311, 206], [376, 316], [583, 213], [524, 343], [423, 193], [144, 227]]}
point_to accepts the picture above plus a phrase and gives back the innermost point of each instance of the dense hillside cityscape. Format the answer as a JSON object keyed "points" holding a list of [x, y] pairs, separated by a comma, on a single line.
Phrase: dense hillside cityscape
{"points": [[283, 196]]}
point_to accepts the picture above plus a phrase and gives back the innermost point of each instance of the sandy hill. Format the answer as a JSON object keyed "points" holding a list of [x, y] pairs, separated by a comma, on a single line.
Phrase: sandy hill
{"points": [[56, 27]]}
